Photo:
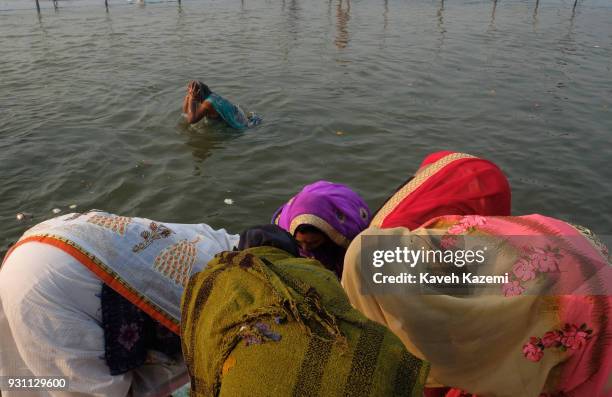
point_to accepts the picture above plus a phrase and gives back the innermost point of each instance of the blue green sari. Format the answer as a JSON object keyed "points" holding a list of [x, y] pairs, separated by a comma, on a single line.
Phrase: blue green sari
{"points": [[232, 114]]}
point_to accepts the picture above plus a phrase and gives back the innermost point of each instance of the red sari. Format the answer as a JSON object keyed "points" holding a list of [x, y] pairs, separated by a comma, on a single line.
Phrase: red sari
{"points": [[447, 183], [450, 183]]}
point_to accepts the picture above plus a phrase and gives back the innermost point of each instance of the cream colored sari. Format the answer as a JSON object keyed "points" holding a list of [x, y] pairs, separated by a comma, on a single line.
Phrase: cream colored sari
{"points": [[489, 344]]}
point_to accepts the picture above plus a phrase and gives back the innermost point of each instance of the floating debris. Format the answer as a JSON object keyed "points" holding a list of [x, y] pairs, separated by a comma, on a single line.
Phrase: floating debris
{"points": [[339, 133], [144, 163], [56, 210], [228, 201], [23, 215], [72, 206]]}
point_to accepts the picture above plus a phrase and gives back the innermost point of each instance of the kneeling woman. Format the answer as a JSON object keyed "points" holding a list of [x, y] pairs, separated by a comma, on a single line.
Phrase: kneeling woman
{"points": [[261, 322], [543, 332], [324, 217], [95, 297]]}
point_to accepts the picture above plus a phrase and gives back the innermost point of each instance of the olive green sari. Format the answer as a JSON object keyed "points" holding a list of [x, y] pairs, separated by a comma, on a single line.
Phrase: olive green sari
{"points": [[260, 322]]}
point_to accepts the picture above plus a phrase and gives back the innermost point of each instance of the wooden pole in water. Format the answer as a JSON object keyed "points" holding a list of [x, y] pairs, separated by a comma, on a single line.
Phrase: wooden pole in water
{"points": [[575, 2], [106, 4], [37, 6]]}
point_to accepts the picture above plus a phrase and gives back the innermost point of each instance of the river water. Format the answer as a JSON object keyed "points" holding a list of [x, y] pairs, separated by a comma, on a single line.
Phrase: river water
{"points": [[356, 92]]}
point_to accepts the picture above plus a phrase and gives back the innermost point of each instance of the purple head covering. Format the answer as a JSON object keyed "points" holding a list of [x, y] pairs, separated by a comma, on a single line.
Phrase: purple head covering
{"points": [[333, 208]]}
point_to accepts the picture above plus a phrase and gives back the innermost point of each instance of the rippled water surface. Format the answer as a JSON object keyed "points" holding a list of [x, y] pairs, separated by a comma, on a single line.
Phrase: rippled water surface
{"points": [[352, 91]]}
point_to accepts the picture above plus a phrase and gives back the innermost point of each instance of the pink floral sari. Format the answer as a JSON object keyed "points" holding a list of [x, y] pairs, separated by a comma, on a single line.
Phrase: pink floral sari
{"points": [[524, 341]]}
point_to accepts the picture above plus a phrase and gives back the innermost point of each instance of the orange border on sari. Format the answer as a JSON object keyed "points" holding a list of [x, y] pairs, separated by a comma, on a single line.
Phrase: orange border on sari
{"points": [[106, 274]]}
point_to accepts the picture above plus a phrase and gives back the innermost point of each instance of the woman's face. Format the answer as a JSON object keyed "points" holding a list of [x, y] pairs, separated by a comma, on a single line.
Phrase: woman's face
{"points": [[310, 241]]}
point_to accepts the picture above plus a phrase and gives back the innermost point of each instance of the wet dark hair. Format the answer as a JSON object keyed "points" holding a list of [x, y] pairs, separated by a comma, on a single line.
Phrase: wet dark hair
{"points": [[204, 91], [306, 228]]}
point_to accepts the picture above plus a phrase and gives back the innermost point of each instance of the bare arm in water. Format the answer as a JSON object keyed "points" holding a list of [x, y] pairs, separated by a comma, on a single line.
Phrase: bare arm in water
{"points": [[195, 108]]}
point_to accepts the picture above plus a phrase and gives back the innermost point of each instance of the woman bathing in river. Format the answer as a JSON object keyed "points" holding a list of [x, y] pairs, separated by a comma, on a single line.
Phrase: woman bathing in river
{"points": [[201, 102]]}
